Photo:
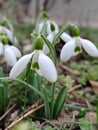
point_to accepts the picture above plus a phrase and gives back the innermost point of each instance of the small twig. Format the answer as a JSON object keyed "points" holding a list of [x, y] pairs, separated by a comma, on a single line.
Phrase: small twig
{"points": [[29, 109], [8, 111], [24, 116], [33, 106], [75, 87], [73, 119], [88, 104], [48, 122], [78, 98], [73, 72]]}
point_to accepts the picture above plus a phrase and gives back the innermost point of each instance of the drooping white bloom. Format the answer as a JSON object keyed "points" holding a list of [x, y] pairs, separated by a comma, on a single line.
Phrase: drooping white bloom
{"points": [[10, 53], [49, 27], [8, 33], [45, 66], [52, 30], [74, 46], [51, 34]]}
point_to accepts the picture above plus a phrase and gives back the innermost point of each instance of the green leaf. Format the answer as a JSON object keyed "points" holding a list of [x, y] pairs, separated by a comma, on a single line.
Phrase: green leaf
{"points": [[51, 47], [85, 124], [1, 72], [60, 102]]}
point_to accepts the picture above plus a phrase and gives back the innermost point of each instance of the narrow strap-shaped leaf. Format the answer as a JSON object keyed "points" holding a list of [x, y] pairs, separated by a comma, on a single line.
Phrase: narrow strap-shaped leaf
{"points": [[60, 102], [51, 48]]}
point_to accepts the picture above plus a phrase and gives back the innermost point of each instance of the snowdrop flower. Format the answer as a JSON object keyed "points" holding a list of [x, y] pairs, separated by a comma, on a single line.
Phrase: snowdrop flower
{"points": [[52, 27], [10, 53], [41, 63], [65, 37], [74, 46], [9, 34], [52, 30]]}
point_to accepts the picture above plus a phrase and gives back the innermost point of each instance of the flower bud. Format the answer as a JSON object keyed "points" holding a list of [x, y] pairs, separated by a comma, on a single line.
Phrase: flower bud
{"points": [[35, 65], [77, 49], [81, 113]]}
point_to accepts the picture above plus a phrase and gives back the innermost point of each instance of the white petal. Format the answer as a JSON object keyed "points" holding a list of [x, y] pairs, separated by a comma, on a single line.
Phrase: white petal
{"points": [[9, 55], [20, 66], [50, 37], [45, 47], [67, 51], [39, 72], [49, 27], [1, 48], [9, 34], [47, 67], [65, 37], [89, 47], [36, 55], [16, 51], [77, 44]]}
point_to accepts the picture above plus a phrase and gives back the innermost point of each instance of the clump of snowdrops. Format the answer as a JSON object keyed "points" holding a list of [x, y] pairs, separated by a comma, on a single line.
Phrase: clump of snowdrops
{"points": [[37, 70]]}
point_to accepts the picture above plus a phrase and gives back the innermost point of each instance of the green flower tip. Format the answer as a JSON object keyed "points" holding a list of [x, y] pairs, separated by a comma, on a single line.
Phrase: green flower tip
{"points": [[77, 49], [5, 41], [52, 26], [75, 31], [38, 43], [35, 65]]}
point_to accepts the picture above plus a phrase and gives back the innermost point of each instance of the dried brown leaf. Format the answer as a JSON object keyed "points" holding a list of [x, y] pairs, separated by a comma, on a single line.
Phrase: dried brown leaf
{"points": [[94, 85]]}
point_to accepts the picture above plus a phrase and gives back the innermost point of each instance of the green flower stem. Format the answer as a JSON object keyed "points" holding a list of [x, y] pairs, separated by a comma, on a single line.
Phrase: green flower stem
{"points": [[43, 32], [52, 99], [46, 101], [63, 29], [25, 84], [78, 107], [42, 12]]}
